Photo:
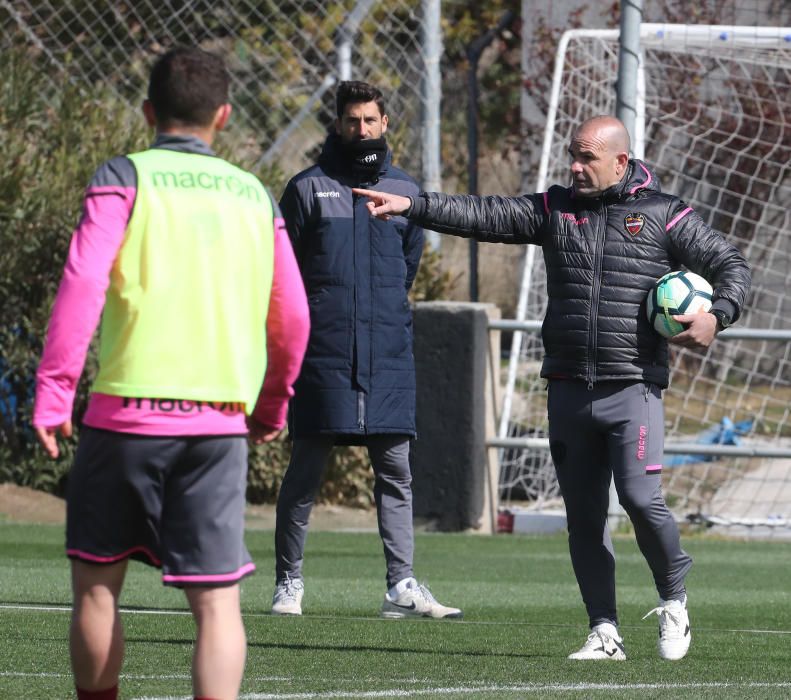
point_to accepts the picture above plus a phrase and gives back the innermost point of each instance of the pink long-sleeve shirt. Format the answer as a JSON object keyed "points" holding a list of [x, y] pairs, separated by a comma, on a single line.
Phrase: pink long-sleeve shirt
{"points": [[95, 243]]}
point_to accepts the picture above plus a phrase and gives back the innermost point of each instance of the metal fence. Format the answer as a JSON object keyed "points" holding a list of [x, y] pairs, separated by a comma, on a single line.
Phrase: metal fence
{"points": [[713, 107], [284, 57]]}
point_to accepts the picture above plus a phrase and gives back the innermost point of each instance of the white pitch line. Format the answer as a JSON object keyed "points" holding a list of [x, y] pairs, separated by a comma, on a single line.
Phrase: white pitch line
{"points": [[346, 618], [124, 676], [141, 676], [529, 688], [61, 608]]}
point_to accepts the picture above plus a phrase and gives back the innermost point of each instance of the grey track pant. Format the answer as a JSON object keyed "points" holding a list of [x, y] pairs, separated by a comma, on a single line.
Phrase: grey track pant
{"points": [[389, 456], [613, 429]]}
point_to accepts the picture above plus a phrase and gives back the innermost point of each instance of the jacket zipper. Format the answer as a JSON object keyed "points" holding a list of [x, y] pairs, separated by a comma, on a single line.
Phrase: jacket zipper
{"points": [[361, 410], [598, 262], [355, 345]]}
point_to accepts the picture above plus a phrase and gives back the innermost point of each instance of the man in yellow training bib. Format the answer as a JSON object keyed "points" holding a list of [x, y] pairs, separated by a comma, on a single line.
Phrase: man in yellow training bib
{"points": [[204, 326]]}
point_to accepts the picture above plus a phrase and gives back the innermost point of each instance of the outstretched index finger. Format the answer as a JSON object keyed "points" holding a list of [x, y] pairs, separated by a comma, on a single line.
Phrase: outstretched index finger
{"points": [[371, 194], [382, 204]]}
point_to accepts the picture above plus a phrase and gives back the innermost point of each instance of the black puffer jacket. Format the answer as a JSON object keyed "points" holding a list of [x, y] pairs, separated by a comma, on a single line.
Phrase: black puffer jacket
{"points": [[602, 256]]}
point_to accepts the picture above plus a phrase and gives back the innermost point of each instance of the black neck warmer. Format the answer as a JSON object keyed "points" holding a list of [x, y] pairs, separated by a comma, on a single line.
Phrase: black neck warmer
{"points": [[365, 158]]}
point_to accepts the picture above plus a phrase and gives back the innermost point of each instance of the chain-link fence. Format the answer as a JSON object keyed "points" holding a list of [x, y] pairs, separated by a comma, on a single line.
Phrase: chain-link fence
{"points": [[285, 58]]}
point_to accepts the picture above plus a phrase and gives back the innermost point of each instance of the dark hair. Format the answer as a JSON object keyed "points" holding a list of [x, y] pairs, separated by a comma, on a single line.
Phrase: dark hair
{"points": [[355, 92], [187, 86]]}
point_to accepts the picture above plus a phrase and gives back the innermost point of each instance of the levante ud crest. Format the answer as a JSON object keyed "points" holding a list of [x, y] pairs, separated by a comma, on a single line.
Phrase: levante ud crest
{"points": [[634, 223]]}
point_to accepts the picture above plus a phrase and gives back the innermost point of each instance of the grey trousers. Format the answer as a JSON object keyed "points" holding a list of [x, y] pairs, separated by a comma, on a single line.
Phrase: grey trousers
{"points": [[613, 429], [389, 456]]}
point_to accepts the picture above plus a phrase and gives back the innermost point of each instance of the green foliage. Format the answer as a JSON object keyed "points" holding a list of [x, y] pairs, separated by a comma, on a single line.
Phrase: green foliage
{"points": [[348, 478], [432, 282], [51, 140], [54, 132], [499, 82]]}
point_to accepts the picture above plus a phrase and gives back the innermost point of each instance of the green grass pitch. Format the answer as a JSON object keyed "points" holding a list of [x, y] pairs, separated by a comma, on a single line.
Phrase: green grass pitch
{"points": [[522, 616]]}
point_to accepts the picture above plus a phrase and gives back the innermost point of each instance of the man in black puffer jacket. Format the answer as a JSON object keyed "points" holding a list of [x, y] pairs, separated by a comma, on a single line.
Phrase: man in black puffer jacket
{"points": [[357, 384], [606, 240]]}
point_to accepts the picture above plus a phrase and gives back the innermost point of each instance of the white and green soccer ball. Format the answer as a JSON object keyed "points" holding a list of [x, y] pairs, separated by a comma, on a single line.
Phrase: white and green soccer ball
{"points": [[676, 293]]}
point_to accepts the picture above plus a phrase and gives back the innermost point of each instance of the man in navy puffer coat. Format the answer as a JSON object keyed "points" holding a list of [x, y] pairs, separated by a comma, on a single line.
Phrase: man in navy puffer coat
{"points": [[357, 385], [605, 241]]}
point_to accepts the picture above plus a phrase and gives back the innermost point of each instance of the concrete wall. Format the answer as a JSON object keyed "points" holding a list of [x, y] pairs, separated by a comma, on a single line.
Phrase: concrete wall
{"points": [[457, 361]]}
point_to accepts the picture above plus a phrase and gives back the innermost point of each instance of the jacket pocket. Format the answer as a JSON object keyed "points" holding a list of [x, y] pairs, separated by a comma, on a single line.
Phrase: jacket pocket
{"points": [[330, 324], [392, 323]]}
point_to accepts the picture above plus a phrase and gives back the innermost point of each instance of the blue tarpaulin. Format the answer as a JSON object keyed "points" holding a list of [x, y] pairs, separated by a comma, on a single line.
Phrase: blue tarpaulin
{"points": [[726, 432]]}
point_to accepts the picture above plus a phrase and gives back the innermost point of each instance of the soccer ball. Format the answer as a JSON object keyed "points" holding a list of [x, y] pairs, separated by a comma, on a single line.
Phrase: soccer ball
{"points": [[676, 293]]}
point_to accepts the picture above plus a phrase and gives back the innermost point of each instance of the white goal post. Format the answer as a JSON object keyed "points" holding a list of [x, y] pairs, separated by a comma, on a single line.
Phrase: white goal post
{"points": [[714, 120]]}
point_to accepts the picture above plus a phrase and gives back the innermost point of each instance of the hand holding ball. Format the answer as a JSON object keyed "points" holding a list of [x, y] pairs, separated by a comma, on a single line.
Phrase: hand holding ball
{"points": [[676, 293]]}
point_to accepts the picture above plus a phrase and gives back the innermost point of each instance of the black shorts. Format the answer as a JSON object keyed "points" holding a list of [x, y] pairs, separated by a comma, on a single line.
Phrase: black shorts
{"points": [[172, 502]]}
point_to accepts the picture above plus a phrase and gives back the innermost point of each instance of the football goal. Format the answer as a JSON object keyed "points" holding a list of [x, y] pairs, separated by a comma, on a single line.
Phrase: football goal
{"points": [[714, 120]]}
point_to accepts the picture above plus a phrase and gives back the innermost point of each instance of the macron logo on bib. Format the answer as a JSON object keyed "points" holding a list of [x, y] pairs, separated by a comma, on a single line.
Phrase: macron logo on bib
{"points": [[328, 195]]}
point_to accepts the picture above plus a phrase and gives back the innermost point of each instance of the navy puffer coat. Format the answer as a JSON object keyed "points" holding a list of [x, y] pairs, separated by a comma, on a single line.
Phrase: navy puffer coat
{"points": [[358, 376]]}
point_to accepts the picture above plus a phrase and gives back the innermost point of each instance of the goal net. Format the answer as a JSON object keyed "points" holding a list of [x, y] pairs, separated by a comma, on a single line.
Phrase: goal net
{"points": [[714, 119]]}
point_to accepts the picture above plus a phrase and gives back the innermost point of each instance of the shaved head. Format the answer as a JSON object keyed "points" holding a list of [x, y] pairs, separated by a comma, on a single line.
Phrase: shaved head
{"points": [[609, 130], [600, 155]]}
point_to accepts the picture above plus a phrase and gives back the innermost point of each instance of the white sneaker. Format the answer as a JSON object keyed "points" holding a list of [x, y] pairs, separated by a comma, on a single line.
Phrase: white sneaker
{"points": [[410, 599], [674, 633], [603, 643], [287, 599]]}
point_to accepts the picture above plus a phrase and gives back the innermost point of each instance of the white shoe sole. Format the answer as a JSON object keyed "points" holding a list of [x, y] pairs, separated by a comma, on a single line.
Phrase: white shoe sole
{"points": [[395, 614], [615, 657]]}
